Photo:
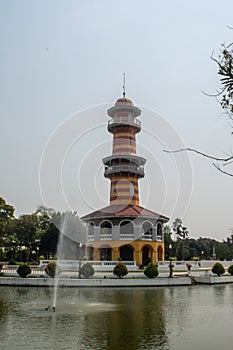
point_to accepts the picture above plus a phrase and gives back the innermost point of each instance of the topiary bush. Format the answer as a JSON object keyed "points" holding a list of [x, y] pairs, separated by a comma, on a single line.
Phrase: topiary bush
{"points": [[218, 269], [151, 271], [52, 269], [87, 270], [12, 262], [230, 270], [24, 270], [120, 270]]}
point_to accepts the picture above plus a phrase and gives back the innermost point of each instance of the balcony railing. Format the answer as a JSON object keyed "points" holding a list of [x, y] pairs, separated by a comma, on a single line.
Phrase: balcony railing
{"points": [[126, 237], [123, 121], [124, 168], [105, 237], [147, 237], [91, 237]]}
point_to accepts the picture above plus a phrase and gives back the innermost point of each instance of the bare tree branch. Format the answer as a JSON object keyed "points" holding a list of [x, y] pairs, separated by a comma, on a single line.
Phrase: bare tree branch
{"points": [[222, 171], [201, 153], [218, 93]]}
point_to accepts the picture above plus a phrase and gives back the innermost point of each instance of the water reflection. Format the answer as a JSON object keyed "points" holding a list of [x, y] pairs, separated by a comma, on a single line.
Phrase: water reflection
{"points": [[137, 323], [176, 318]]}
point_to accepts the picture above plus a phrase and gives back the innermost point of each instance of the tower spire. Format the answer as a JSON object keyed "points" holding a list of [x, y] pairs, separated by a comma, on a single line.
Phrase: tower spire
{"points": [[124, 85]]}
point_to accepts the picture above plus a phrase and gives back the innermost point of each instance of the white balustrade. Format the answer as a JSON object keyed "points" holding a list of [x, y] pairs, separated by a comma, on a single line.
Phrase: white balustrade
{"points": [[126, 237], [105, 237]]}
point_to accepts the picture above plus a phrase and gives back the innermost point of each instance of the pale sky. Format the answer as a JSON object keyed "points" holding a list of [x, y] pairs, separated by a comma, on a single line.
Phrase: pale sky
{"points": [[58, 58]]}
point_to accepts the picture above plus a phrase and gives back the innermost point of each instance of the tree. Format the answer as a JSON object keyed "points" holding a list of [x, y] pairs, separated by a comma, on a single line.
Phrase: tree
{"points": [[6, 214], [25, 229], [167, 240], [225, 70], [225, 98], [181, 233], [49, 241], [179, 229]]}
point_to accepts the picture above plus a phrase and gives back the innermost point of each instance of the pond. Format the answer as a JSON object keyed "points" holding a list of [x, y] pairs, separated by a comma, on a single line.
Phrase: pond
{"points": [[175, 318]]}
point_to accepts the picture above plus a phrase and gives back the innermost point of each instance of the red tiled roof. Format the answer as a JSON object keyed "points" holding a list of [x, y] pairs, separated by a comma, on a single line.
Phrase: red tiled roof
{"points": [[124, 210]]}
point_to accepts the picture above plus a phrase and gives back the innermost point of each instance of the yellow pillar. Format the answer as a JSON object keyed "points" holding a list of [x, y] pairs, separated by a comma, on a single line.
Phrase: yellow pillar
{"points": [[96, 254], [115, 253]]}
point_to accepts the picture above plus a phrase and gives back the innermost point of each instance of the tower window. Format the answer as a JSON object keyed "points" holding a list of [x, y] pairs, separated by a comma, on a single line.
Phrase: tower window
{"points": [[112, 190], [131, 189]]}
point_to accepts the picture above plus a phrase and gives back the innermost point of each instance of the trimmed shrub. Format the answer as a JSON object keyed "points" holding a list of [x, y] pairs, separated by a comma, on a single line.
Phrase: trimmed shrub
{"points": [[87, 270], [12, 262], [218, 269], [151, 271], [230, 270], [120, 270], [52, 269], [24, 270]]}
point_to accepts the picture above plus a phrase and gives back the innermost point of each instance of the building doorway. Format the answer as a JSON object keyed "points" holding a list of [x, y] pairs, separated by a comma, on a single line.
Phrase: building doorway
{"points": [[126, 253], [91, 253], [146, 255], [160, 253], [105, 253]]}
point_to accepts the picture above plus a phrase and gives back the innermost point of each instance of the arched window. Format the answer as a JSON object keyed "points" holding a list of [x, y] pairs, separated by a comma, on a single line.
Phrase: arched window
{"points": [[90, 229], [126, 229], [147, 230], [106, 228], [159, 230]]}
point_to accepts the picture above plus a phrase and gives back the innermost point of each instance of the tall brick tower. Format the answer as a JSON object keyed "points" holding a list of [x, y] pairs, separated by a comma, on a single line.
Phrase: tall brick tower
{"points": [[124, 167], [124, 229]]}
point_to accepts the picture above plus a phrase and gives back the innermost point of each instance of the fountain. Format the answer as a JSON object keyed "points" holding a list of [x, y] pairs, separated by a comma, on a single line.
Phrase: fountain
{"points": [[71, 239]]}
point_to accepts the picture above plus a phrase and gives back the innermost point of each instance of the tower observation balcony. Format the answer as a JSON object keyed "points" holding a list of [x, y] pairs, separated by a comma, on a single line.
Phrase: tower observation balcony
{"points": [[124, 113], [122, 121], [118, 164], [132, 169]]}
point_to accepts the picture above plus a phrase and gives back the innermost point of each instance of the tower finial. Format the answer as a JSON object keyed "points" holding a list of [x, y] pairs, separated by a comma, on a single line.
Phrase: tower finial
{"points": [[124, 85]]}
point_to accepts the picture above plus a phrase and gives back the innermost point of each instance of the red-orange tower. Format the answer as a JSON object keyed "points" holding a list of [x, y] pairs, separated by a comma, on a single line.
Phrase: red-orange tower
{"points": [[124, 229], [124, 167]]}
